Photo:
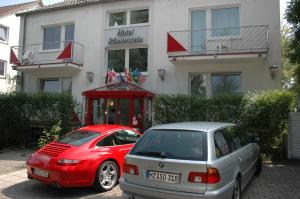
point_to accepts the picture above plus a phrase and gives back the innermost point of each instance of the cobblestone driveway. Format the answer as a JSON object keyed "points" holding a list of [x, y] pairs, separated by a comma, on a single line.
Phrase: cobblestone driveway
{"points": [[277, 181]]}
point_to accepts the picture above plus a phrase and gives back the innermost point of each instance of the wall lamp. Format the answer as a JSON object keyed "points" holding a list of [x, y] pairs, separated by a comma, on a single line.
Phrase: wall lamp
{"points": [[90, 76], [161, 74]]}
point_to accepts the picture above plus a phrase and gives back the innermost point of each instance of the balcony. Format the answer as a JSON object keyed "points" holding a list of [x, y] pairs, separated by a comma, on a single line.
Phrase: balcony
{"points": [[221, 43], [66, 55]]}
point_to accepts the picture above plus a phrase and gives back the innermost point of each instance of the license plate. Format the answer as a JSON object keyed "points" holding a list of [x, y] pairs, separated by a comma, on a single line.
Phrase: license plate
{"points": [[164, 177], [40, 172]]}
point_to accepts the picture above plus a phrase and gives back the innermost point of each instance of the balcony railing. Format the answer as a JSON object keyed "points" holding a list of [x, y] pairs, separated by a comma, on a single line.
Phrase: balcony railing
{"points": [[221, 41], [51, 53]]}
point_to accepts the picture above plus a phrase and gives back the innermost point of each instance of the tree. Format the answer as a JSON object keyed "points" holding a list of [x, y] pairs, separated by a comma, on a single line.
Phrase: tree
{"points": [[293, 18]]}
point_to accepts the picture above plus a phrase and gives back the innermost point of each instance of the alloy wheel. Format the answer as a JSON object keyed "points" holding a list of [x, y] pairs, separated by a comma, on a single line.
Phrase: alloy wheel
{"points": [[108, 175]]}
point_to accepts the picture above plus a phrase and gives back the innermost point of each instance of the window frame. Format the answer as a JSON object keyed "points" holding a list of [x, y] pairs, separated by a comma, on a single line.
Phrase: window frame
{"points": [[7, 32], [226, 74], [127, 49], [128, 17], [4, 69]]}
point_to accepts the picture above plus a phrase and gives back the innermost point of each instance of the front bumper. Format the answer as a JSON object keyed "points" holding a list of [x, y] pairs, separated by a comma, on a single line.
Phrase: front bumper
{"points": [[132, 191]]}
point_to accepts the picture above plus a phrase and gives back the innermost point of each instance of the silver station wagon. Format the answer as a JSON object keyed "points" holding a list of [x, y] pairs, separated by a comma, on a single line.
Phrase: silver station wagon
{"points": [[190, 160]]}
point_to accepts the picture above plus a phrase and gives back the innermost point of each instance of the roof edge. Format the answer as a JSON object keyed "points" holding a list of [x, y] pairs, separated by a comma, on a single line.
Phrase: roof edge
{"points": [[43, 10]]}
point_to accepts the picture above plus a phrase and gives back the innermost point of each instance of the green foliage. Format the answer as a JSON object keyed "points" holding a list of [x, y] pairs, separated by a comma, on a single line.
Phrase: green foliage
{"points": [[261, 113], [20, 112], [49, 135], [293, 18]]}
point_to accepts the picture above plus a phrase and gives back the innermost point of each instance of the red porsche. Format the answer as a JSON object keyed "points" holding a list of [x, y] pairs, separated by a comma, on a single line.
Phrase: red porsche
{"points": [[89, 156]]}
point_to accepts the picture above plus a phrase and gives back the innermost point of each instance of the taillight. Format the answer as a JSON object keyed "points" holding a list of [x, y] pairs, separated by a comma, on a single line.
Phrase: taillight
{"points": [[212, 176], [130, 169], [67, 162]]}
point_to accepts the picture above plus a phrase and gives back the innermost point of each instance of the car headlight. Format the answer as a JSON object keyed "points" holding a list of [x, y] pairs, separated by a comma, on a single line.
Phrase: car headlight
{"points": [[64, 162]]}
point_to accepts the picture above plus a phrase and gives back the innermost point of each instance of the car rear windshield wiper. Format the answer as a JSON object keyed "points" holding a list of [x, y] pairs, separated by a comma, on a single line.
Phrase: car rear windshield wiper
{"points": [[153, 154]]}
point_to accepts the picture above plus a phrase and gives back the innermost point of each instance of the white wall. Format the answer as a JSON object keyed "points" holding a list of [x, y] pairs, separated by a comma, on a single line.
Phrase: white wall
{"points": [[165, 15], [13, 23]]}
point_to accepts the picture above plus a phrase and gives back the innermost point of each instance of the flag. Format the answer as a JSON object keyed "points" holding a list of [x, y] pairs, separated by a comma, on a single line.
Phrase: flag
{"points": [[142, 79], [138, 76], [67, 53], [121, 78], [106, 77], [112, 75], [13, 58], [128, 75]]}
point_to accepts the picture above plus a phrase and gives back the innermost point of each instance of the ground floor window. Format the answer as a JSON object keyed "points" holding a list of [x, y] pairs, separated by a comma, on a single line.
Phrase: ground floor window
{"points": [[226, 83], [131, 58], [212, 84], [56, 85], [2, 69], [198, 84]]}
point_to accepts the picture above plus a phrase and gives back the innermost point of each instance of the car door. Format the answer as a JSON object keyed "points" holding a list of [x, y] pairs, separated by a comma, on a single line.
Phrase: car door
{"points": [[125, 140]]}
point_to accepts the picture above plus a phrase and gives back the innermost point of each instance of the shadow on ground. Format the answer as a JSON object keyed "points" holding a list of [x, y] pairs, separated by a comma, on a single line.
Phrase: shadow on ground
{"points": [[33, 189]]}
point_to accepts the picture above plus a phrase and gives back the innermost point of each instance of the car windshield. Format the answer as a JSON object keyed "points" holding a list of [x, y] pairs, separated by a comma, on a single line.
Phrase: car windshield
{"points": [[78, 138], [173, 144]]}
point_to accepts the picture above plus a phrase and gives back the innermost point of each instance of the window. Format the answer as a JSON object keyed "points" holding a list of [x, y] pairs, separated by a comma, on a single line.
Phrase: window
{"points": [[50, 85], [55, 85], [226, 83], [126, 137], [52, 36], [107, 141], [117, 19], [116, 60], [225, 22], [2, 69], [3, 34], [198, 84], [69, 33], [139, 16], [221, 145], [138, 58], [67, 85], [232, 133], [173, 144], [78, 138]]}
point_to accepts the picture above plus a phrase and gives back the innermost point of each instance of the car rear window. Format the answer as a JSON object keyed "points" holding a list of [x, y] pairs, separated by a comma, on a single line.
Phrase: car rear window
{"points": [[172, 144], [78, 138]]}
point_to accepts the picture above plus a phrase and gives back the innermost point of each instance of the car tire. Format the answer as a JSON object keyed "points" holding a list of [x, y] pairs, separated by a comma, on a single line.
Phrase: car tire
{"points": [[258, 166], [237, 193], [107, 176]]}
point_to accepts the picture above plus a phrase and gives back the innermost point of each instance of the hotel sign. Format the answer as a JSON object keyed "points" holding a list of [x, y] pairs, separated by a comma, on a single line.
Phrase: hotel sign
{"points": [[127, 36]]}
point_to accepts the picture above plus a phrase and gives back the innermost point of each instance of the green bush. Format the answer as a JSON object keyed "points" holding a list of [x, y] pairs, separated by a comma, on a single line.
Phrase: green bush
{"points": [[260, 113], [49, 135], [21, 112]]}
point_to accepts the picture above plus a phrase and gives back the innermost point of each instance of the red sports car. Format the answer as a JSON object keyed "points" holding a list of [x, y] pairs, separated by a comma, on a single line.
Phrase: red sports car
{"points": [[91, 155]]}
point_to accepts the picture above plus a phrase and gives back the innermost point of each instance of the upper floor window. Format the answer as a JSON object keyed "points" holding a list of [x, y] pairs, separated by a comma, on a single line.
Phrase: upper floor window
{"points": [[53, 35], [2, 69], [137, 59], [3, 34], [225, 22], [226, 83], [128, 17]]}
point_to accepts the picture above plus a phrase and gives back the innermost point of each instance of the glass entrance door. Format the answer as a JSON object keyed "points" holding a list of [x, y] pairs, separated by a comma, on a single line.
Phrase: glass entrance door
{"points": [[198, 31]]}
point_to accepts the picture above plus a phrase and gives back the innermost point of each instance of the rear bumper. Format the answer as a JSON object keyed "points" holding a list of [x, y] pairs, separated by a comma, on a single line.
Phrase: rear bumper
{"points": [[64, 177], [132, 191]]}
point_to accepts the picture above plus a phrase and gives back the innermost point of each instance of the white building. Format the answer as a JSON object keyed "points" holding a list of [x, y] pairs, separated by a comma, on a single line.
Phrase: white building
{"points": [[9, 36], [202, 47]]}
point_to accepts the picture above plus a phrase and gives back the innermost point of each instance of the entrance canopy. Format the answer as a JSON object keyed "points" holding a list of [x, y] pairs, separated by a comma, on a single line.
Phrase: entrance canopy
{"points": [[121, 103]]}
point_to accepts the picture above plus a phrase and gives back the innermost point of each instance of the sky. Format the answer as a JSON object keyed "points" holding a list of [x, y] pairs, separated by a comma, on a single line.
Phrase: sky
{"points": [[9, 2]]}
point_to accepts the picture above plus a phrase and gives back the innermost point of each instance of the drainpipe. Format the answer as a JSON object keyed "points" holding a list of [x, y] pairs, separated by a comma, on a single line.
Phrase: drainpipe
{"points": [[23, 48]]}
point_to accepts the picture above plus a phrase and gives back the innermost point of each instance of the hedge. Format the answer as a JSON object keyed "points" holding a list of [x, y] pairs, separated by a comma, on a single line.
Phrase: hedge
{"points": [[262, 113], [21, 112]]}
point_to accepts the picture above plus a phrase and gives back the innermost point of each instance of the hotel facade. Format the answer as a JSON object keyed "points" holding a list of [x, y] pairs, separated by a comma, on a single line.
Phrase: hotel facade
{"points": [[198, 47]]}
